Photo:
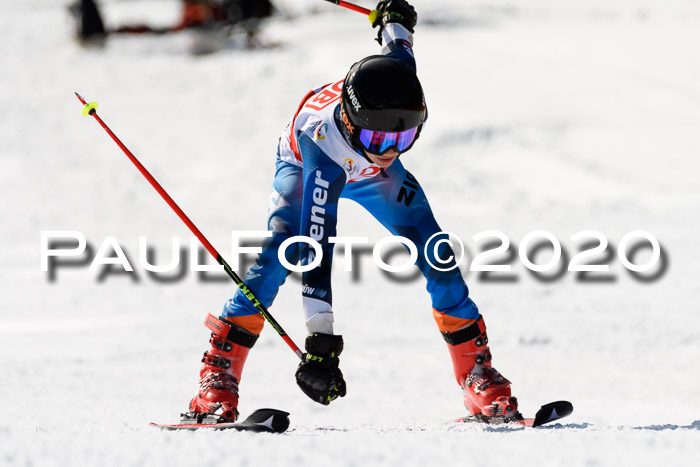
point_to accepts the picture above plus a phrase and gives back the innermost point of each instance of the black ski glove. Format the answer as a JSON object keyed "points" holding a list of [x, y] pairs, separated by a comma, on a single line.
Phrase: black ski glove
{"points": [[394, 11], [318, 374]]}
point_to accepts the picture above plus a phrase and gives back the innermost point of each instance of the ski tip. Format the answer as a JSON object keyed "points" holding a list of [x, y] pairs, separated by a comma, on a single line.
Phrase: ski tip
{"points": [[270, 420], [553, 411], [563, 408]]}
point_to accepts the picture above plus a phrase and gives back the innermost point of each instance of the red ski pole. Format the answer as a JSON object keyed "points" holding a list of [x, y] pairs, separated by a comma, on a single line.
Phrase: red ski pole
{"points": [[371, 14], [91, 109]]}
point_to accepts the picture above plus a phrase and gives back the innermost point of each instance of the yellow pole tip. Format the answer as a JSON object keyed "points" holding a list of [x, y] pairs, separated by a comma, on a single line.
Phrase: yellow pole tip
{"points": [[373, 16], [89, 108]]}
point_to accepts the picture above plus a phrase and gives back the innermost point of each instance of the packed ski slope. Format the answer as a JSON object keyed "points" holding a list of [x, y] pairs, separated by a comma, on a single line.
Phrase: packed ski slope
{"points": [[544, 115]]}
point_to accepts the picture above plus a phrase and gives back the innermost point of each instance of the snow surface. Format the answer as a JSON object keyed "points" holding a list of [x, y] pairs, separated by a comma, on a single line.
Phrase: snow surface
{"points": [[560, 116]]}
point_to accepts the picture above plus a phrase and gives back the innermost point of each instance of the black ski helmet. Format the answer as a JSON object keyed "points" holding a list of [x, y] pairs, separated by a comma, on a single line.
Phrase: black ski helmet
{"points": [[381, 93]]}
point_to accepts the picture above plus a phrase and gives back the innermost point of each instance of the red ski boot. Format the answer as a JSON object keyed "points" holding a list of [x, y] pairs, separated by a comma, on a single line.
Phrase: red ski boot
{"points": [[486, 391], [223, 363]]}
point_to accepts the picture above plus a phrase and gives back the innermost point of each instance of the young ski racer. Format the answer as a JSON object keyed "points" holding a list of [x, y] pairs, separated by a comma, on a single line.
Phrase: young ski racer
{"points": [[344, 141]]}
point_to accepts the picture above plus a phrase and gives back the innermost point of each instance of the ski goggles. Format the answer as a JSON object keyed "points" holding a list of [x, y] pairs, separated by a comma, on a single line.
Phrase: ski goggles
{"points": [[378, 142]]}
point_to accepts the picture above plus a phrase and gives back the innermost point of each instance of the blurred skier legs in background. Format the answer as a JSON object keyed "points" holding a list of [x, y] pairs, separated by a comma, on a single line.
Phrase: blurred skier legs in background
{"points": [[90, 30], [221, 17]]}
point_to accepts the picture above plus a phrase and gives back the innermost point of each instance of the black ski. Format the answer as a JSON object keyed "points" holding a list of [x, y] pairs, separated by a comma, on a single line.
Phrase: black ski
{"points": [[260, 421], [548, 413]]}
